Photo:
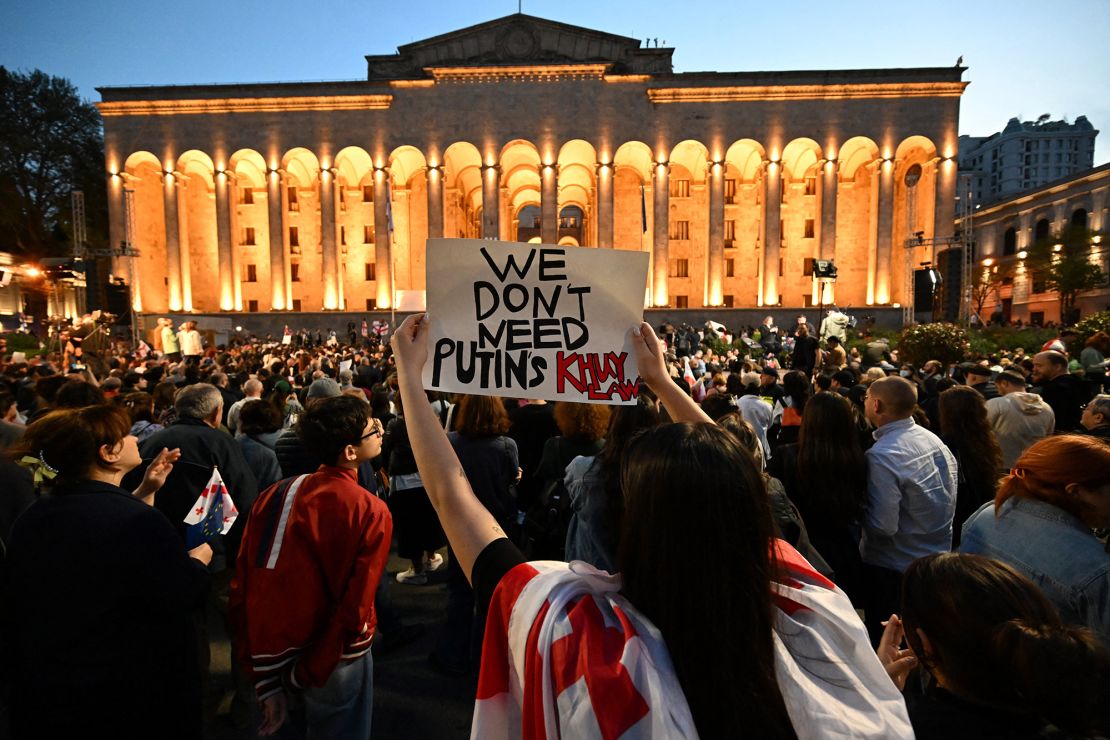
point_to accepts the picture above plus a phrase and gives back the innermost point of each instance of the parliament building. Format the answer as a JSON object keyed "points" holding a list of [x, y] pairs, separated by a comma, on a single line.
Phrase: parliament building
{"points": [[320, 196]]}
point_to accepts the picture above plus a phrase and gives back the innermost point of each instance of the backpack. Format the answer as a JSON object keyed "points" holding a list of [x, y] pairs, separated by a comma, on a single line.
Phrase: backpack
{"points": [[543, 535]]}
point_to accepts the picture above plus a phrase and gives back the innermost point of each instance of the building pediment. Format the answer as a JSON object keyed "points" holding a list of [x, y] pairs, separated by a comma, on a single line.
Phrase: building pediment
{"points": [[518, 41]]}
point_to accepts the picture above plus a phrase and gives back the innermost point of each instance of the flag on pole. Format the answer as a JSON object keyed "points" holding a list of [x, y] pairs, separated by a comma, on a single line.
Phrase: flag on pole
{"points": [[643, 211], [389, 207], [213, 513]]}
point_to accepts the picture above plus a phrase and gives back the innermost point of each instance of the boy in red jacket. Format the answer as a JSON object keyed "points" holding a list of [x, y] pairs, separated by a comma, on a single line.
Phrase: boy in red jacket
{"points": [[313, 551]]}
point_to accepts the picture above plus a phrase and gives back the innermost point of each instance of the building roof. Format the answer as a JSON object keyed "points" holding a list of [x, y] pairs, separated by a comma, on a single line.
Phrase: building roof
{"points": [[521, 45]]}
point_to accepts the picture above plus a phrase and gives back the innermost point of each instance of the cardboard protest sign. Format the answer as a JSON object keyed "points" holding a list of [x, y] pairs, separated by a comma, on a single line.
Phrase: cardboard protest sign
{"points": [[533, 320]]}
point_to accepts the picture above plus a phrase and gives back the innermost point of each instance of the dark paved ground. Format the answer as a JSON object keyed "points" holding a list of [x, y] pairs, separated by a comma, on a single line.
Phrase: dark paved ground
{"points": [[410, 699]]}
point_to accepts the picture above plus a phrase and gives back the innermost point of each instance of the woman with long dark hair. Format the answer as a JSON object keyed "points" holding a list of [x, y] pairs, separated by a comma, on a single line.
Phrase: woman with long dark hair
{"points": [[996, 655], [788, 413], [825, 475], [967, 432], [755, 642]]}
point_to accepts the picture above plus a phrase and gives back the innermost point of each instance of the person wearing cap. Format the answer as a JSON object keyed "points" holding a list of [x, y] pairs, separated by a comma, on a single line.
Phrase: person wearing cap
{"points": [[769, 384], [979, 377], [1017, 417], [1064, 392], [1096, 417], [111, 386]]}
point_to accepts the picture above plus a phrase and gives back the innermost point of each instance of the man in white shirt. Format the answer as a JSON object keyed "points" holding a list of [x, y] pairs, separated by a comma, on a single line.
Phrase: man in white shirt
{"points": [[911, 497], [190, 342]]}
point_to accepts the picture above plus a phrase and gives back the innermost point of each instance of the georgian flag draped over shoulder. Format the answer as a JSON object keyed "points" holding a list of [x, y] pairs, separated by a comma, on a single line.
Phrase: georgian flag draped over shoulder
{"points": [[213, 513], [566, 656]]}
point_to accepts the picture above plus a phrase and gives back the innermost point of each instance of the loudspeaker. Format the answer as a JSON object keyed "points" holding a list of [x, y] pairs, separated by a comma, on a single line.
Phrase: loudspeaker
{"points": [[923, 292], [118, 301], [950, 290]]}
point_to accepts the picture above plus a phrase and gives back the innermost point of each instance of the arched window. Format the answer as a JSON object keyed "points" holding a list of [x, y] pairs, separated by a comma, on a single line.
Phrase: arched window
{"points": [[1041, 230], [1009, 241], [1079, 218]]}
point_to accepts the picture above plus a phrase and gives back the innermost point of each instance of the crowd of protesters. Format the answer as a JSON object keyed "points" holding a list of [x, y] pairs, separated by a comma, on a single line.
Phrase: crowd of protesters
{"points": [[812, 539]]}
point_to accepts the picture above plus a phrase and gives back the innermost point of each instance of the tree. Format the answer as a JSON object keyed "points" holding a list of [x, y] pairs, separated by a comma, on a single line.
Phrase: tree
{"points": [[1068, 264], [51, 143], [987, 281]]}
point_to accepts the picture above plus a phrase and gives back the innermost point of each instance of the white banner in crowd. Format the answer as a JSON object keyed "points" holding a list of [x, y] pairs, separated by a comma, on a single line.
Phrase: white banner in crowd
{"points": [[533, 320]]}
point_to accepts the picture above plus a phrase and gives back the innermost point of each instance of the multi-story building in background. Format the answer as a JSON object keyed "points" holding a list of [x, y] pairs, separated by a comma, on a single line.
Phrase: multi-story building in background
{"points": [[1026, 155]]}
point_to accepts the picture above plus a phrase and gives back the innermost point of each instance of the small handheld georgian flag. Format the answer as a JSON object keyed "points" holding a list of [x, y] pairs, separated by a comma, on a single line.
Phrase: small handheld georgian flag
{"points": [[213, 513]]}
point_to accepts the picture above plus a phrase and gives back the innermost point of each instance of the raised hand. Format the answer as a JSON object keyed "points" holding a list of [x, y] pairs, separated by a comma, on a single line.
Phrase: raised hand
{"points": [[410, 344], [160, 468], [897, 660]]}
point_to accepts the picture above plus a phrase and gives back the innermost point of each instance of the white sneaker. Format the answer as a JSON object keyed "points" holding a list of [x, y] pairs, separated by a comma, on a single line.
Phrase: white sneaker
{"points": [[411, 577], [434, 563]]}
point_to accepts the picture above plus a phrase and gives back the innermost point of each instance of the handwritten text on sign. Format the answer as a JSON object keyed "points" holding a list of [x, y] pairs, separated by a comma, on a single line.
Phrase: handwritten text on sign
{"points": [[533, 321]]}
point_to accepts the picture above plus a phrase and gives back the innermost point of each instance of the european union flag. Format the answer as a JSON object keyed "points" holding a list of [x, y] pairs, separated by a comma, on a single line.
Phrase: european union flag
{"points": [[213, 513]]}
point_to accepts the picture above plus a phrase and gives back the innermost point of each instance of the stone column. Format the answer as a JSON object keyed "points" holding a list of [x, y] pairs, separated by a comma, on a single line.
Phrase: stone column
{"points": [[716, 253], [772, 231], [884, 235], [605, 187], [329, 259], [506, 216], [117, 229], [276, 228], [223, 242], [661, 236], [549, 203], [491, 197], [183, 240], [173, 244], [827, 195], [435, 202], [233, 224], [383, 243]]}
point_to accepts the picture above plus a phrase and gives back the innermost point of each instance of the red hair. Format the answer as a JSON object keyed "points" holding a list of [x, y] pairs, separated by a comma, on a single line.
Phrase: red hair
{"points": [[1050, 465]]}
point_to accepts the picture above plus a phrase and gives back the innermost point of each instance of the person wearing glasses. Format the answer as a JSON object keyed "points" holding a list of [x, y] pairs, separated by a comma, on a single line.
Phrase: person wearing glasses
{"points": [[314, 550]]}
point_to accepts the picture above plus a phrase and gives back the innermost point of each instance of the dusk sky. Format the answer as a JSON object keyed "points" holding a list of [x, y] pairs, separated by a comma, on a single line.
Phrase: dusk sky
{"points": [[1025, 57]]}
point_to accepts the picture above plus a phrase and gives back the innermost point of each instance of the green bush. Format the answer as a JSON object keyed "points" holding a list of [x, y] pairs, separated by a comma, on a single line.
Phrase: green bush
{"points": [[1095, 322], [920, 343], [19, 341]]}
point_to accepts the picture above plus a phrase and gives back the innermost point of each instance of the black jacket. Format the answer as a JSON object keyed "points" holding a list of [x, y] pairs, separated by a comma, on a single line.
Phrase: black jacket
{"points": [[202, 448], [98, 635], [1065, 394]]}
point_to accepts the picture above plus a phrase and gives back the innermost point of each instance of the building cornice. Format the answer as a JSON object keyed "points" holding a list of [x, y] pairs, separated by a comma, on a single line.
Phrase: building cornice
{"points": [[735, 94], [1055, 188], [204, 106], [519, 72]]}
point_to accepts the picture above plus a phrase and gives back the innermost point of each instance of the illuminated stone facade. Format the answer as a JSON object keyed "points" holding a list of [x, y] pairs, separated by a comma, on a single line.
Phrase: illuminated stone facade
{"points": [[1004, 230], [317, 196]]}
